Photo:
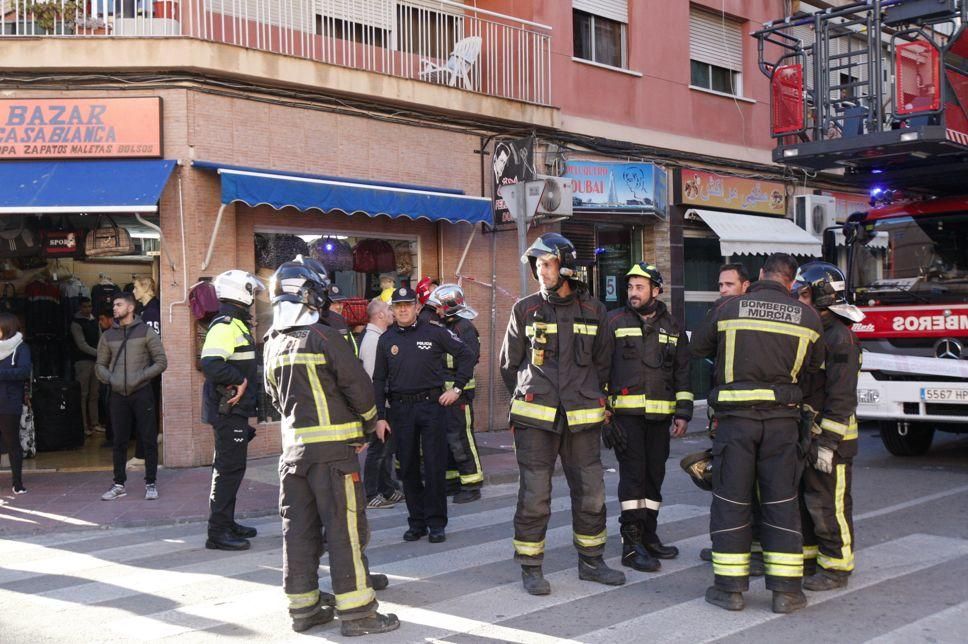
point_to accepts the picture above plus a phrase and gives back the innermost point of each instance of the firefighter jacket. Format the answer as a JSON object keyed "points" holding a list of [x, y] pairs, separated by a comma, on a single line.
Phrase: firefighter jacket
{"points": [[410, 361], [763, 341], [555, 356], [228, 358], [832, 391], [335, 321], [649, 375], [321, 390], [467, 332]]}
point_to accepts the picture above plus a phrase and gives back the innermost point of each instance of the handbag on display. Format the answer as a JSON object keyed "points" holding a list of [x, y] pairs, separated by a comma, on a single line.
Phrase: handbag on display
{"points": [[18, 240], [61, 240], [203, 300], [334, 254], [108, 239]]}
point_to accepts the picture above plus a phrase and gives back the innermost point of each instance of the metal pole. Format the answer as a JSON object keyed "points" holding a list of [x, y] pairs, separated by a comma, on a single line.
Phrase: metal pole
{"points": [[523, 236]]}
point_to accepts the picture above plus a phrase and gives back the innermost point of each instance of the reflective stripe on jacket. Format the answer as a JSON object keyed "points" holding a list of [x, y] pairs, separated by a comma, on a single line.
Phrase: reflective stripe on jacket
{"points": [[467, 332], [229, 357], [762, 341], [554, 356], [649, 373], [319, 387], [832, 391]]}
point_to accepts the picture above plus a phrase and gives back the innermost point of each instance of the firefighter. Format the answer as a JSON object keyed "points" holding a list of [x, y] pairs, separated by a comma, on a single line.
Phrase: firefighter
{"points": [[457, 316], [554, 363], [409, 374], [327, 315], [648, 388], [825, 490], [229, 399], [326, 402], [762, 342]]}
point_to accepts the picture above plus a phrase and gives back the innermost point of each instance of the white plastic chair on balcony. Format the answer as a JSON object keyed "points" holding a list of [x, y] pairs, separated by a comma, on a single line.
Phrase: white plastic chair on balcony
{"points": [[458, 65]]}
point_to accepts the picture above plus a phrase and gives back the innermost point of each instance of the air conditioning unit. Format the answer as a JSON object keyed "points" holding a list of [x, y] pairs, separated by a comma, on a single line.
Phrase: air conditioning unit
{"points": [[814, 213], [554, 198]]}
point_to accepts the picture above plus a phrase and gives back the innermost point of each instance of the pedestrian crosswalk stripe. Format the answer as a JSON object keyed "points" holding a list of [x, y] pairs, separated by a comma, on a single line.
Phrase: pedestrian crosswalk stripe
{"points": [[707, 623], [941, 627]]}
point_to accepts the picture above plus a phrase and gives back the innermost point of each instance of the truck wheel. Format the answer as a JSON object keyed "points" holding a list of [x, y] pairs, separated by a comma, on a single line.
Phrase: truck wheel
{"points": [[914, 443]]}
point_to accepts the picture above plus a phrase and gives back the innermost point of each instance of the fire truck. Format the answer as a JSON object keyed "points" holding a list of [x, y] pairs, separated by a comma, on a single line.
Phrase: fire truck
{"points": [[875, 95]]}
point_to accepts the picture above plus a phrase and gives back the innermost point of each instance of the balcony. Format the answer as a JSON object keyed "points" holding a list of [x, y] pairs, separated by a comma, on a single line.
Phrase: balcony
{"points": [[432, 41]]}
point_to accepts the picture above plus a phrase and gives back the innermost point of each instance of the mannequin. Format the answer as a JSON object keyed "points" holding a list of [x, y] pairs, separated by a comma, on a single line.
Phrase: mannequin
{"points": [[146, 294]]}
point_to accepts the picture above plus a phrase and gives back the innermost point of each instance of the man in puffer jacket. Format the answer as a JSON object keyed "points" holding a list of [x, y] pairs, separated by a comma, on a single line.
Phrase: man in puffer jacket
{"points": [[129, 356]]}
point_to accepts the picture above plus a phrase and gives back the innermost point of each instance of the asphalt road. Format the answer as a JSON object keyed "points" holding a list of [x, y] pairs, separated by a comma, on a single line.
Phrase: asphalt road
{"points": [[911, 583]]}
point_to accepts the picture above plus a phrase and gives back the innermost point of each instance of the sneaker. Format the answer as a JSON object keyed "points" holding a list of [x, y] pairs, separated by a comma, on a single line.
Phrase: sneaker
{"points": [[396, 497], [380, 501], [151, 492], [116, 492], [19, 489]]}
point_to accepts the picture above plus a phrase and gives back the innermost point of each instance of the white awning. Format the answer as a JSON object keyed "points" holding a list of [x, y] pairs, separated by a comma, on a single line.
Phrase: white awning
{"points": [[741, 234]]}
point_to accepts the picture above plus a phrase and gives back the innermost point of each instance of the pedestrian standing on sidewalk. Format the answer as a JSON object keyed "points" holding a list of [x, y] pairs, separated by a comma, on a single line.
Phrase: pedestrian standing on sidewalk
{"points": [[85, 334], [229, 401], [381, 489], [14, 371], [129, 355], [325, 398]]}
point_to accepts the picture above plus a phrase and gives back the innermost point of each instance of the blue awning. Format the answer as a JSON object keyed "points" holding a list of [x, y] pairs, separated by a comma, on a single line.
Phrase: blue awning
{"points": [[255, 187], [132, 185]]}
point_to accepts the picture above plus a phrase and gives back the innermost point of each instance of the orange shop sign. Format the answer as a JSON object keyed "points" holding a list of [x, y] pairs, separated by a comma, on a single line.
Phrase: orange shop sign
{"points": [[697, 188], [52, 128]]}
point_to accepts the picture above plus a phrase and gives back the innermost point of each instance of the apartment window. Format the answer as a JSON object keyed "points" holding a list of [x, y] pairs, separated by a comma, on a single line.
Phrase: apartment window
{"points": [[715, 53], [600, 31]]}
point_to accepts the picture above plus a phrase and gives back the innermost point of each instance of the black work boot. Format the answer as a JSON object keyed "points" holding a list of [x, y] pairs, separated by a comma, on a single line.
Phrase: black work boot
{"points": [[378, 581], [315, 615], [757, 567], [594, 569], [788, 602], [534, 581], [725, 598], [226, 541], [467, 495], [809, 567], [369, 625], [660, 551], [634, 554], [243, 531], [327, 599], [825, 580], [706, 554]]}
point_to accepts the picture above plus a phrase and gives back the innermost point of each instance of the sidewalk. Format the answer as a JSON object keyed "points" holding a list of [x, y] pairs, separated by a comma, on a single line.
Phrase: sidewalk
{"points": [[72, 500]]}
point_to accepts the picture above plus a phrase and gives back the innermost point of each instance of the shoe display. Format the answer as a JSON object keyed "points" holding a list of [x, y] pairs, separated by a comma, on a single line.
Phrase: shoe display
{"points": [[414, 535], [116, 492], [243, 531], [226, 541], [371, 625], [151, 492]]}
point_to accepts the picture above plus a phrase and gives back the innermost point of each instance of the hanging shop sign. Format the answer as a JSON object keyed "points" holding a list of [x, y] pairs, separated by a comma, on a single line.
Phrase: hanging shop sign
{"points": [[512, 162], [55, 128], [711, 190], [625, 187]]}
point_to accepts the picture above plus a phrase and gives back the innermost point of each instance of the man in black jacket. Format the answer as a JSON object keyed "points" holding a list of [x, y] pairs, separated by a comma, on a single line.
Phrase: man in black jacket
{"points": [[230, 367]]}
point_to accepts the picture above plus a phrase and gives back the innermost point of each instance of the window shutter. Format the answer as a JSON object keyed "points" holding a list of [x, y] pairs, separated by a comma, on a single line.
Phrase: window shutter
{"points": [[372, 13], [583, 238], [715, 41], [611, 9]]}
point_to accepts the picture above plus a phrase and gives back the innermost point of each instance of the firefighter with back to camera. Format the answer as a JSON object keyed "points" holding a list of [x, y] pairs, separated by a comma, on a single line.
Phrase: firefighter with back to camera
{"points": [[456, 315], [763, 341], [229, 395], [325, 398], [648, 388], [409, 375], [830, 393], [554, 363]]}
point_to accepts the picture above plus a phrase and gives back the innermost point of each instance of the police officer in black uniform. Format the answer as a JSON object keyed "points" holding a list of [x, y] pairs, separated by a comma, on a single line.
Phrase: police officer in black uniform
{"points": [[762, 341], [230, 368], [409, 375]]}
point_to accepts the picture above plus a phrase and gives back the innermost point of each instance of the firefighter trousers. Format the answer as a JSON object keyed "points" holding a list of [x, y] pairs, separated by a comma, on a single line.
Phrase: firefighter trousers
{"points": [[580, 452], [422, 450], [764, 452], [641, 467], [228, 470], [463, 444], [827, 509], [318, 496]]}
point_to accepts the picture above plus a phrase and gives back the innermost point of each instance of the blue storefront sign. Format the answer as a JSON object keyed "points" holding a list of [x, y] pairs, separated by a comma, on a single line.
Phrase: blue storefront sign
{"points": [[626, 187]]}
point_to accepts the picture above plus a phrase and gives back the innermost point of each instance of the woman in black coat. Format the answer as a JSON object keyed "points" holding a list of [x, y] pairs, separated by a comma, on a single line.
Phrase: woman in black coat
{"points": [[14, 372]]}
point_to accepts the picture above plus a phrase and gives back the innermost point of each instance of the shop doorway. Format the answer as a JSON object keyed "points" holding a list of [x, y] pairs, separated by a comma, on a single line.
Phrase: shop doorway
{"points": [[605, 253]]}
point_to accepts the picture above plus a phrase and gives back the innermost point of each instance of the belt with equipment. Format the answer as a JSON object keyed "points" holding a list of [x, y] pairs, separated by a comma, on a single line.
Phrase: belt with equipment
{"points": [[419, 396]]}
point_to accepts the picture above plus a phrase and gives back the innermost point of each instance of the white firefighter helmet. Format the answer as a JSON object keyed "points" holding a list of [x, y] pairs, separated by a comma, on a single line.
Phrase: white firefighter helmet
{"points": [[238, 286]]}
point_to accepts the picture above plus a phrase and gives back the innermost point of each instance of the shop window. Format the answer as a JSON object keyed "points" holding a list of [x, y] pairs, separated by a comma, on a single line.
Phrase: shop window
{"points": [[599, 39]]}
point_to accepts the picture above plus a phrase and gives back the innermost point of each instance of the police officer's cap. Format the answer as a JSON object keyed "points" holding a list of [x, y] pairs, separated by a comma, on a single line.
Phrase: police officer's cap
{"points": [[403, 294]]}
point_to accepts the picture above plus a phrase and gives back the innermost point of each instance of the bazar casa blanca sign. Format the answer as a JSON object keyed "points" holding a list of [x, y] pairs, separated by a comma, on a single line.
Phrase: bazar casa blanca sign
{"points": [[43, 128], [708, 189]]}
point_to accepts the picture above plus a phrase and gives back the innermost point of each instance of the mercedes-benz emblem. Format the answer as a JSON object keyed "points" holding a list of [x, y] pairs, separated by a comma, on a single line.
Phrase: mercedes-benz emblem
{"points": [[948, 348]]}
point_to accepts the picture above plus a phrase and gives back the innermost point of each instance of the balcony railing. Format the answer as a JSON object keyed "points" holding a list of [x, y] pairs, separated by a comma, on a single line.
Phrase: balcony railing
{"points": [[437, 41]]}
